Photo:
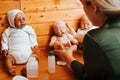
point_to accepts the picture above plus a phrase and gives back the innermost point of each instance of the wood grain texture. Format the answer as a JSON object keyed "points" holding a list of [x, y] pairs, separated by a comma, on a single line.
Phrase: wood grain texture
{"points": [[61, 73], [41, 14], [6, 5], [49, 5]]}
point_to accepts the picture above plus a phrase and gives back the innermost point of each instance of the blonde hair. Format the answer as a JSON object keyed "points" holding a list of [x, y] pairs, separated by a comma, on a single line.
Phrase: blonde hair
{"points": [[107, 6]]}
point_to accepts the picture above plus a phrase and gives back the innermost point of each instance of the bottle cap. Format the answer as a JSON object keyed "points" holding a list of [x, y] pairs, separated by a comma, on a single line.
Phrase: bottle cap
{"points": [[51, 53]]}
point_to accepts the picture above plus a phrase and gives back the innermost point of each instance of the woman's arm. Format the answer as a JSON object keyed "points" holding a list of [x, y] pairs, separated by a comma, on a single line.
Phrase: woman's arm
{"points": [[67, 55], [52, 41]]}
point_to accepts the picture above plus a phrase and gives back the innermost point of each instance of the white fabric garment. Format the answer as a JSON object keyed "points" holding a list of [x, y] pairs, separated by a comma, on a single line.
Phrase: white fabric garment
{"points": [[19, 42], [11, 16], [66, 38], [79, 31]]}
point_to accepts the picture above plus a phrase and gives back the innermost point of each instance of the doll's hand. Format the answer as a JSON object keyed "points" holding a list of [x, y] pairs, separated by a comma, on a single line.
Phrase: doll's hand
{"points": [[68, 44], [5, 52], [58, 45], [35, 49]]}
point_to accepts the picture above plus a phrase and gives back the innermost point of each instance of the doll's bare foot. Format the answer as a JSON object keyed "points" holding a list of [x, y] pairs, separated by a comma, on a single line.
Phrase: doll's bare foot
{"points": [[12, 71], [23, 72]]}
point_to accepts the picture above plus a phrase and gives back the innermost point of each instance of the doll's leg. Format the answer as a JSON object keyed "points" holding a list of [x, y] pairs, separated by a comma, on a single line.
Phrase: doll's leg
{"points": [[10, 65]]}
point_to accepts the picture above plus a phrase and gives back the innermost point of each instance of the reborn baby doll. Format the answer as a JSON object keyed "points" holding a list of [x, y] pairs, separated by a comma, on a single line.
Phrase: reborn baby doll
{"points": [[85, 26], [62, 36], [17, 40]]}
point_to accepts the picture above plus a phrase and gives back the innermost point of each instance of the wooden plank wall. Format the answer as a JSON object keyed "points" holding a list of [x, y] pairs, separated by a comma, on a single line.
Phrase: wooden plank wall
{"points": [[41, 14]]}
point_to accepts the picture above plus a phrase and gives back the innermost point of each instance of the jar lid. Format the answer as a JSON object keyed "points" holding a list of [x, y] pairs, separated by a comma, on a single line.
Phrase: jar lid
{"points": [[19, 78]]}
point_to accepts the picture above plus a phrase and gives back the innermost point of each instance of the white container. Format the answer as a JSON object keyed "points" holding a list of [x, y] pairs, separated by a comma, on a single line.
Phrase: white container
{"points": [[19, 78], [32, 68], [51, 63]]}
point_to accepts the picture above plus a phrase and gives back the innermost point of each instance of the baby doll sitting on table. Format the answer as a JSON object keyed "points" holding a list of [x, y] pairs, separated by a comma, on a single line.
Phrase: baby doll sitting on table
{"points": [[61, 36], [17, 41]]}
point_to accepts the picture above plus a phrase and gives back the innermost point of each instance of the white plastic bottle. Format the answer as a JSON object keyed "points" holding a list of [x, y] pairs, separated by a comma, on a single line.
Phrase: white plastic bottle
{"points": [[51, 62], [32, 68]]}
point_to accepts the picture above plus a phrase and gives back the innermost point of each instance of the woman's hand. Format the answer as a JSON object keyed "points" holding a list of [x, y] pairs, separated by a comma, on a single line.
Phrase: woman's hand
{"points": [[58, 45], [66, 53]]}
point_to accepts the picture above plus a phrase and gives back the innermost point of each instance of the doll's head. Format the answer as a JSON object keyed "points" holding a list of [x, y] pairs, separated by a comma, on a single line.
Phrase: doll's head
{"points": [[85, 23], [16, 18], [59, 28]]}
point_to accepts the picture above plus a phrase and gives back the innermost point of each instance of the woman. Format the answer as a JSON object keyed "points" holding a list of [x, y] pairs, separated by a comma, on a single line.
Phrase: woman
{"points": [[101, 46]]}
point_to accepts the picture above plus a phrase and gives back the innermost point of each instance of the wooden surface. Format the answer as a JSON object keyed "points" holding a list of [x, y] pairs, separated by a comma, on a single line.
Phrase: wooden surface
{"points": [[62, 72], [41, 14]]}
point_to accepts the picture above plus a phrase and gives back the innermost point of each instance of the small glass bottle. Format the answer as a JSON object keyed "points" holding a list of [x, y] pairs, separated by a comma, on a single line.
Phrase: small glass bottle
{"points": [[51, 62], [32, 68]]}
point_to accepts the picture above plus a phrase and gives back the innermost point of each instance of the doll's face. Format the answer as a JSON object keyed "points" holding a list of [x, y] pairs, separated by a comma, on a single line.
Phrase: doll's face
{"points": [[20, 20], [60, 30]]}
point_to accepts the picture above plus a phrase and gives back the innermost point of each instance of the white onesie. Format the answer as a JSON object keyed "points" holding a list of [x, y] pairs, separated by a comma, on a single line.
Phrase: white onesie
{"points": [[19, 42], [80, 31], [65, 39]]}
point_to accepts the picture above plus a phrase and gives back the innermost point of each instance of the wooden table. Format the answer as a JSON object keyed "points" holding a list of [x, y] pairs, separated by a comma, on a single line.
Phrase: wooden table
{"points": [[62, 72]]}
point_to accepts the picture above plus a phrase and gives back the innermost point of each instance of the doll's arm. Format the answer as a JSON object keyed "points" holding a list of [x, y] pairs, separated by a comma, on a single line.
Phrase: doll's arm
{"points": [[36, 50], [32, 36], [80, 38], [72, 39], [5, 39], [52, 41], [71, 30]]}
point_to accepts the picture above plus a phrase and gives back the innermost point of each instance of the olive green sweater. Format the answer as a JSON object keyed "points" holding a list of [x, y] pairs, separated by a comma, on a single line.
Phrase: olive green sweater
{"points": [[101, 53]]}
